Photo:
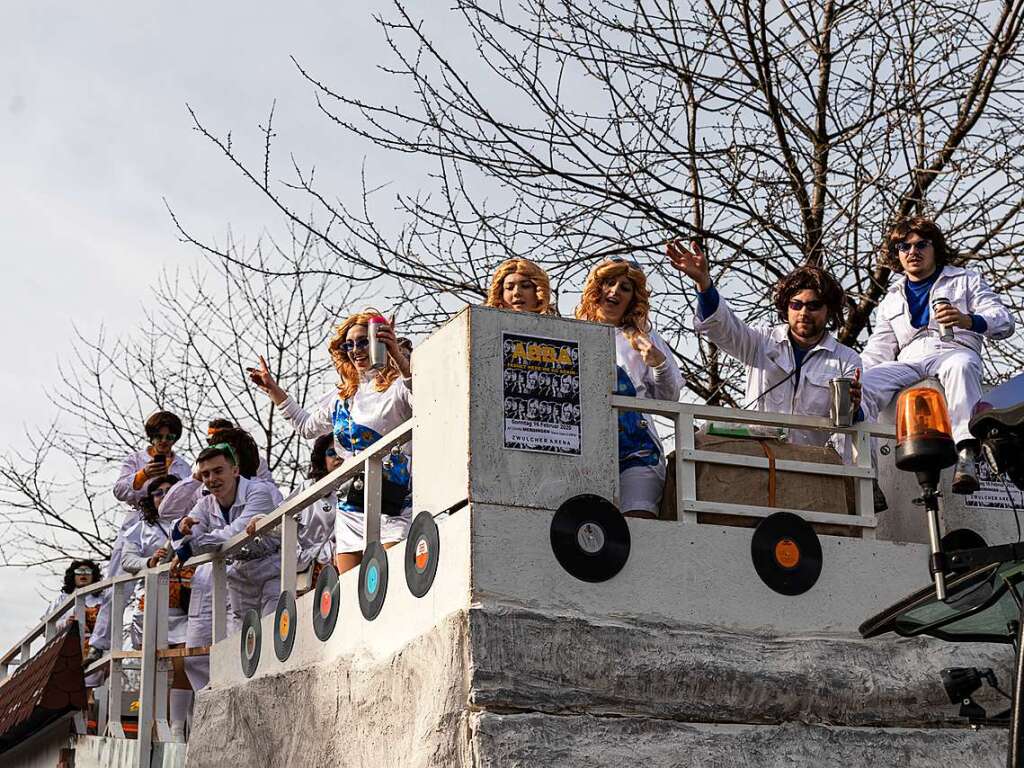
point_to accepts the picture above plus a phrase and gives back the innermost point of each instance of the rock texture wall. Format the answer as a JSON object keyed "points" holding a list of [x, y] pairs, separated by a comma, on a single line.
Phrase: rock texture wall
{"points": [[505, 686]]}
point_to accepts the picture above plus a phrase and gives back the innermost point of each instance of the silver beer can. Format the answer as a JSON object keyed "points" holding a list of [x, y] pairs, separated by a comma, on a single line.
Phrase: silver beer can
{"points": [[945, 331], [378, 352]]}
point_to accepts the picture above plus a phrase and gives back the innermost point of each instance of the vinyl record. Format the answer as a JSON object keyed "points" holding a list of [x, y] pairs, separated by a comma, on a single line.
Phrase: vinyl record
{"points": [[421, 551], [326, 602], [786, 553], [251, 641], [284, 626], [590, 538], [373, 580]]}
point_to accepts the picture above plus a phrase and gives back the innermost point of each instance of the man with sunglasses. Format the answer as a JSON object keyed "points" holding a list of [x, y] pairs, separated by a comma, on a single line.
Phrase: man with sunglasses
{"points": [[138, 470], [907, 345], [789, 365]]}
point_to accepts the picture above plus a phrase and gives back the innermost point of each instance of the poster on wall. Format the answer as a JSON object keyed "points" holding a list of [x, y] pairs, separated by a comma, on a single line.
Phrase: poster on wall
{"points": [[994, 493], [541, 383]]}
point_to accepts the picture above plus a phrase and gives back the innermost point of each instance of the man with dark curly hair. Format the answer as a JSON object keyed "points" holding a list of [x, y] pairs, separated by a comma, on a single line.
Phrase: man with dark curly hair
{"points": [[789, 365], [933, 322]]}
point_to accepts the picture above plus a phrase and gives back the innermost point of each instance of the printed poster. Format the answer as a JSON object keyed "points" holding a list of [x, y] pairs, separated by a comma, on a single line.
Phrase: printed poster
{"points": [[541, 383], [993, 493]]}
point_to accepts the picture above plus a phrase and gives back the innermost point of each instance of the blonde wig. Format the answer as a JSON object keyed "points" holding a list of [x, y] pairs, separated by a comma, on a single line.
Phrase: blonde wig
{"points": [[635, 319], [347, 373], [523, 267]]}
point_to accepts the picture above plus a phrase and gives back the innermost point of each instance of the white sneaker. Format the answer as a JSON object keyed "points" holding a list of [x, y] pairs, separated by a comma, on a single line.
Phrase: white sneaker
{"points": [[965, 476]]}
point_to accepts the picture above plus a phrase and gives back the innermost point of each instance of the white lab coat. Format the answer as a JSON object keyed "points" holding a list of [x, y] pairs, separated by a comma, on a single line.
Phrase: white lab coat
{"points": [[897, 354], [371, 414], [141, 543], [771, 382], [316, 530]]}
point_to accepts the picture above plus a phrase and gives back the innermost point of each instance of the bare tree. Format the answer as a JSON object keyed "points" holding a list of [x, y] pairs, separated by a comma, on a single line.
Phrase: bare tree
{"points": [[199, 331], [776, 132]]}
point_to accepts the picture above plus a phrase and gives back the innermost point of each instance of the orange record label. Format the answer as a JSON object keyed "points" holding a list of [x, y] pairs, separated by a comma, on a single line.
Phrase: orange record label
{"points": [[787, 553], [422, 554], [282, 628]]}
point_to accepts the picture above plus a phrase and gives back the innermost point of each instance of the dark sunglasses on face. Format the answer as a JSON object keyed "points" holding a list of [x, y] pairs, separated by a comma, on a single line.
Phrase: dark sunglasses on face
{"points": [[904, 247], [812, 306], [348, 346], [158, 493], [83, 571], [164, 436], [331, 453]]}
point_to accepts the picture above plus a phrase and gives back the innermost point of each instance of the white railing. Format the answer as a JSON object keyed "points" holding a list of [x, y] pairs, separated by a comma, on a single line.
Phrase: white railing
{"points": [[155, 655], [685, 417]]}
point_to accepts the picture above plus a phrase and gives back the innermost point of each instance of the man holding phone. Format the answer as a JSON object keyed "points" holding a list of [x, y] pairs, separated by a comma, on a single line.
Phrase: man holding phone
{"points": [[163, 429]]}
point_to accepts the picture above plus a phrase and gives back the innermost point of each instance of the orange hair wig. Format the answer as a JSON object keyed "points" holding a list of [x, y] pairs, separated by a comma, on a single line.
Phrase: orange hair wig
{"points": [[523, 267], [347, 373], [635, 319]]}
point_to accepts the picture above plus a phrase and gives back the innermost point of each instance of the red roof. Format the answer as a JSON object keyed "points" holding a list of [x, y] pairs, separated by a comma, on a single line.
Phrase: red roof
{"points": [[42, 690]]}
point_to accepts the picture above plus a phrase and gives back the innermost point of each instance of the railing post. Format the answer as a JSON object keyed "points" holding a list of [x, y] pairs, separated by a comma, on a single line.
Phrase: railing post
{"points": [[289, 552], [686, 469], [115, 680], [161, 686], [372, 475], [147, 692], [863, 494], [26, 652], [220, 599]]}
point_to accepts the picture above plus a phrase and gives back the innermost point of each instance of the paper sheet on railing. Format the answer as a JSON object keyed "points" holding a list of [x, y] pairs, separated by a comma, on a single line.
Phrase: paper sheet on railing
{"points": [[541, 387]]}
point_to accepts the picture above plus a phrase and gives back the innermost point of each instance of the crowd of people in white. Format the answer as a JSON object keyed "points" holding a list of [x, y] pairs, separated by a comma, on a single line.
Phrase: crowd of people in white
{"points": [[932, 322]]}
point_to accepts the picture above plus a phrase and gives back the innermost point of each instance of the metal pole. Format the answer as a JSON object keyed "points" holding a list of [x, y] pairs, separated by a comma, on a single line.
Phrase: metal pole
{"points": [[931, 503], [1015, 749]]}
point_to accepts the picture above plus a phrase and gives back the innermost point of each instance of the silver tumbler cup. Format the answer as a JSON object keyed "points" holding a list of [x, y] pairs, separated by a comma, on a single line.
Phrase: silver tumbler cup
{"points": [[841, 411], [945, 331], [378, 352]]}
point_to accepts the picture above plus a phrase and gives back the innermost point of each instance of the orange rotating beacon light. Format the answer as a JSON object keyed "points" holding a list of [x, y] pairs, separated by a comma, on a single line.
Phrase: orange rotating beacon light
{"points": [[924, 446]]}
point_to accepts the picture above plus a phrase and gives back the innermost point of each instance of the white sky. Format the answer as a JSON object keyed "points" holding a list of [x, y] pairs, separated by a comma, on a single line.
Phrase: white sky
{"points": [[94, 134]]}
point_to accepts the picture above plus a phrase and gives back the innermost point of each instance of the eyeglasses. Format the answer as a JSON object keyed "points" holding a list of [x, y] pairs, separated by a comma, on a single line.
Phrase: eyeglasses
{"points": [[164, 436], [906, 247], [348, 346], [812, 306], [331, 453], [83, 571], [156, 494]]}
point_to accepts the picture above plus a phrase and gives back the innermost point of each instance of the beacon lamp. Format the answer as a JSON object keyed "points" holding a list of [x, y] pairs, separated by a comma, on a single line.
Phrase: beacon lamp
{"points": [[924, 446]]}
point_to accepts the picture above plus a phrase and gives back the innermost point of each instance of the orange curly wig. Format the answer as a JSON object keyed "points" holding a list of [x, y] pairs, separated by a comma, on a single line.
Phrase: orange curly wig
{"points": [[635, 319], [523, 267], [347, 372]]}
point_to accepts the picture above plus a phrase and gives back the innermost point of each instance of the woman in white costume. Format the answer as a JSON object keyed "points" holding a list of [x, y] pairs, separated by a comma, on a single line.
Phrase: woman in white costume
{"points": [[616, 293], [146, 546], [367, 404]]}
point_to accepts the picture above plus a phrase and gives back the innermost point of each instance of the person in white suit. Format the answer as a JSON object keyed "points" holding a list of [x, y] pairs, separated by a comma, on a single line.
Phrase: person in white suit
{"points": [[789, 364], [906, 344], [616, 293]]}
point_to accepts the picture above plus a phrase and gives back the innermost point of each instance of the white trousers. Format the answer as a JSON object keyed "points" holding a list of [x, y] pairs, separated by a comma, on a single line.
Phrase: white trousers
{"points": [[955, 366], [640, 488]]}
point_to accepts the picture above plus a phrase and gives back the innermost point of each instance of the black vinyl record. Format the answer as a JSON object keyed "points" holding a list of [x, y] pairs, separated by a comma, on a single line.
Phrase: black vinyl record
{"points": [[590, 538], [252, 640], [421, 551], [373, 580], [284, 626], [326, 602], [786, 553]]}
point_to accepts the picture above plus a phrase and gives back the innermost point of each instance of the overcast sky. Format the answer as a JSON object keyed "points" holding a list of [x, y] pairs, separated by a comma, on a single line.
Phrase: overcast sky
{"points": [[95, 134]]}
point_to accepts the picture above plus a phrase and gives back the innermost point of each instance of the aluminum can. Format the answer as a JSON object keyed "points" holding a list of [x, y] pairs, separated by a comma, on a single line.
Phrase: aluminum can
{"points": [[945, 331], [841, 408], [378, 352]]}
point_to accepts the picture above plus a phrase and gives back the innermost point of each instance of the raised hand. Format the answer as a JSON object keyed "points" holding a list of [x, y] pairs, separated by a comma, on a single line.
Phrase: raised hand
{"points": [[692, 263], [649, 352], [856, 391], [386, 334], [263, 379]]}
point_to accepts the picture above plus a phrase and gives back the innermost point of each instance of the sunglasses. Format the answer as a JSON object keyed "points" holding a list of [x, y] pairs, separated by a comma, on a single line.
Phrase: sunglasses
{"points": [[83, 571], [164, 436], [331, 453], [348, 346], [158, 493], [812, 306], [904, 247]]}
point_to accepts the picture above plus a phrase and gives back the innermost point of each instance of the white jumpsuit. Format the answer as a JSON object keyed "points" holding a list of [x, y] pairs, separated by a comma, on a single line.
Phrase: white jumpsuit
{"points": [[641, 456], [897, 354], [252, 583], [357, 424], [131, 492], [772, 382], [141, 543]]}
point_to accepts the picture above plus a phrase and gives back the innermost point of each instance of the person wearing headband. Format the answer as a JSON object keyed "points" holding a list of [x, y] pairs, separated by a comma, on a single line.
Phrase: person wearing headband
{"points": [[616, 293], [163, 429], [218, 427], [907, 342], [367, 404], [522, 286], [788, 364], [253, 576]]}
